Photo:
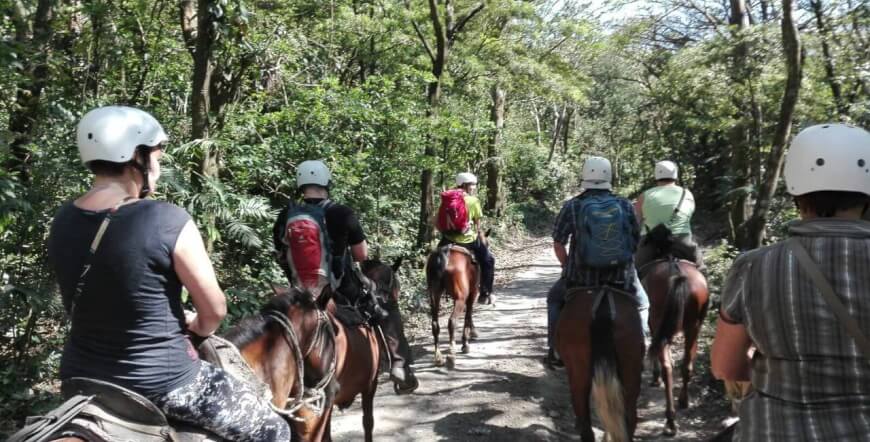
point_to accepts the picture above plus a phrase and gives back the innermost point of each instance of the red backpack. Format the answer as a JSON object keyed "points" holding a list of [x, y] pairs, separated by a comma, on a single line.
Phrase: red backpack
{"points": [[452, 214], [308, 246]]}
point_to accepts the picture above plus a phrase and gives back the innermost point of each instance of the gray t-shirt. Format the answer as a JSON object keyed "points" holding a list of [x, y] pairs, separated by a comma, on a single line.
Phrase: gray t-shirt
{"points": [[128, 325]]}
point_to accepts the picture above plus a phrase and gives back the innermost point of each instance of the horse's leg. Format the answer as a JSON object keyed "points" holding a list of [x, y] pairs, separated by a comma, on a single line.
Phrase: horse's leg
{"points": [[656, 380], [668, 374], [580, 382], [368, 398], [435, 307], [458, 309], [691, 336], [467, 326]]}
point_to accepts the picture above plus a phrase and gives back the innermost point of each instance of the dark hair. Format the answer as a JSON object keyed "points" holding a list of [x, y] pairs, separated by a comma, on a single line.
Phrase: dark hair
{"points": [[112, 169], [107, 168], [666, 180], [314, 186], [827, 203]]}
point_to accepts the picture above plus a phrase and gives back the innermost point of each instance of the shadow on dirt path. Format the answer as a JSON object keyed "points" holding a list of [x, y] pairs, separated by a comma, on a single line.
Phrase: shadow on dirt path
{"points": [[501, 391]]}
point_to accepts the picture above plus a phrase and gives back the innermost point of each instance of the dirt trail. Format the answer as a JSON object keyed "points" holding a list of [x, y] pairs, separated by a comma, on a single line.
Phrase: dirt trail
{"points": [[501, 391]]}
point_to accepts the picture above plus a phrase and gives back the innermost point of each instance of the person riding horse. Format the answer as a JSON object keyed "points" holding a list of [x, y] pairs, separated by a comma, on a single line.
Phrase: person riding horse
{"points": [[128, 325], [597, 176], [665, 211], [348, 249], [473, 238]]}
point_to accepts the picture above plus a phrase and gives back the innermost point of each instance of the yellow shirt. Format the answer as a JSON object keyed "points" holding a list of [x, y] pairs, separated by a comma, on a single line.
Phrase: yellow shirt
{"points": [[475, 213]]}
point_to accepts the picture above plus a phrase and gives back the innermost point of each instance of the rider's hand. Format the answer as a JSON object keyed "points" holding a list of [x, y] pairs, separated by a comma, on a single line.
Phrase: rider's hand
{"points": [[189, 317]]}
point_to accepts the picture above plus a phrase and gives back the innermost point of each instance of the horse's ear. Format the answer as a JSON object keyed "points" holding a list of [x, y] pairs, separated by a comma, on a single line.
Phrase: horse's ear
{"points": [[398, 264], [488, 232]]}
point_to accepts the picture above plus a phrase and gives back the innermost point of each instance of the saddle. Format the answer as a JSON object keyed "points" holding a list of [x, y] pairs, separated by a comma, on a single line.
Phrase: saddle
{"points": [[101, 411], [461, 249]]}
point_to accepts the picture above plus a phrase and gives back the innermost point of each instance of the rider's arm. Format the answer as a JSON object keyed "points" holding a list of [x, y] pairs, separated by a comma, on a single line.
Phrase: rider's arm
{"points": [[638, 209], [730, 354], [360, 251], [194, 269], [561, 252]]}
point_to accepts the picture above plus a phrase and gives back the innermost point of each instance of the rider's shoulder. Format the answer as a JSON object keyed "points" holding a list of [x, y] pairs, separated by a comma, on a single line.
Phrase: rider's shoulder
{"points": [[164, 210], [748, 259]]}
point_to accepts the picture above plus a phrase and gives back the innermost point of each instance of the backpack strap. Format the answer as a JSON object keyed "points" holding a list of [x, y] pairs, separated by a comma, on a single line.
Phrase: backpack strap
{"points": [[829, 295], [92, 251], [677, 208]]}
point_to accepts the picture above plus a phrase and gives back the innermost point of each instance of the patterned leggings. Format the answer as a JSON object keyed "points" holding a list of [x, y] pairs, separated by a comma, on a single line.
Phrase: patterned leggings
{"points": [[225, 406]]}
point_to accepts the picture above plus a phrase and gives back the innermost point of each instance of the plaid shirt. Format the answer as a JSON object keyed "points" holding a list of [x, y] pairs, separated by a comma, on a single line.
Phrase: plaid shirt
{"points": [[575, 273], [812, 381]]}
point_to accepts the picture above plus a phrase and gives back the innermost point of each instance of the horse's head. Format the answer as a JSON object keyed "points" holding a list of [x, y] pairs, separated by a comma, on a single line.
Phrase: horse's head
{"points": [[384, 276]]}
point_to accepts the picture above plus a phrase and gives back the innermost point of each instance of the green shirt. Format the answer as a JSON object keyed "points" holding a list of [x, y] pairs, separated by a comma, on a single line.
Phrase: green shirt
{"points": [[475, 213], [658, 208]]}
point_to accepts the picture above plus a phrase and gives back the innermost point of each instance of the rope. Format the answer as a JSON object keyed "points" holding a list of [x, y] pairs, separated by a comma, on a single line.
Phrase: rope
{"points": [[313, 398]]}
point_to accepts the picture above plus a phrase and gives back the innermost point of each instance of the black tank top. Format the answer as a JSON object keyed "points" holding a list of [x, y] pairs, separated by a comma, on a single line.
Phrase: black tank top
{"points": [[128, 323]]}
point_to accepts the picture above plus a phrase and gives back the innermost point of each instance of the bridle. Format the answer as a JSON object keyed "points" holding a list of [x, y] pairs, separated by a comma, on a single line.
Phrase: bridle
{"points": [[314, 398]]}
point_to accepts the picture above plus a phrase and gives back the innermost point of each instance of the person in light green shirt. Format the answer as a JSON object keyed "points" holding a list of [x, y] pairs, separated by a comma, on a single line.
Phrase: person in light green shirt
{"points": [[672, 207], [473, 238]]}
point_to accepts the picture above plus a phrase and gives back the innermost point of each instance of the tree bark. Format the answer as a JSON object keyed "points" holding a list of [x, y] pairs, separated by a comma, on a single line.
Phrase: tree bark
{"points": [[36, 37], [566, 128], [754, 234], [828, 57], [494, 194]]}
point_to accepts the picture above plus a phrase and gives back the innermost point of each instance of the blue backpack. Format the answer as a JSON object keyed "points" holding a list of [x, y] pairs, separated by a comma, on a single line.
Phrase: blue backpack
{"points": [[604, 231]]}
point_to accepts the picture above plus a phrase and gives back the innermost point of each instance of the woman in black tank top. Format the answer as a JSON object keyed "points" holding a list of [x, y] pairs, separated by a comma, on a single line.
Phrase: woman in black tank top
{"points": [[128, 324]]}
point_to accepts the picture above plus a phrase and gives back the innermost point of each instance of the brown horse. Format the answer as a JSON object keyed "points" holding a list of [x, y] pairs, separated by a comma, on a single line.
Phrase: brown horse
{"points": [[678, 303], [358, 353], [452, 269], [600, 339]]}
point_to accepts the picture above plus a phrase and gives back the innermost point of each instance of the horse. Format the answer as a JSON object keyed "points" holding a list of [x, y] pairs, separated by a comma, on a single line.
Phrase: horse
{"points": [[451, 269], [357, 353], [678, 303], [600, 339]]}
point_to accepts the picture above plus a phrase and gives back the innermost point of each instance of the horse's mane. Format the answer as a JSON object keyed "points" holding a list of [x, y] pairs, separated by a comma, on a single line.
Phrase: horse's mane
{"points": [[252, 327], [370, 264]]}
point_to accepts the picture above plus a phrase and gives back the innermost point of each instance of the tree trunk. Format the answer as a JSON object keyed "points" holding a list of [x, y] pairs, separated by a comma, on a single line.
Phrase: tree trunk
{"points": [[566, 128], [827, 56], [754, 234], [538, 134], [494, 197], [36, 37], [740, 134], [98, 20], [445, 35], [558, 120]]}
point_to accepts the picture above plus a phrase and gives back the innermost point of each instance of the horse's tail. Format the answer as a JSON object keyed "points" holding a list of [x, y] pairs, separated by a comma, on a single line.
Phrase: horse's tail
{"points": [[606, 385], [675, 303]]}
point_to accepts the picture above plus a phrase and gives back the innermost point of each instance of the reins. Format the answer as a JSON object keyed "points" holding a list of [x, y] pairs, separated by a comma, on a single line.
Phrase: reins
{"points": [[313, 398]]}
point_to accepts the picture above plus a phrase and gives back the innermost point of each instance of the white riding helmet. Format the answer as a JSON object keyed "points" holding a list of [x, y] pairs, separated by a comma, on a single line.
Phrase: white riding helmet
{"points": [[112, 133], [313, 172], [834, 157], [465, 178], [597, 173], [666, 170]]}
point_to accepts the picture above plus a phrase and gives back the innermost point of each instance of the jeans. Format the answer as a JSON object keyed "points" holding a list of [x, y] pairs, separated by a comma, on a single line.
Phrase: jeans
{"points": [[556, 301]]}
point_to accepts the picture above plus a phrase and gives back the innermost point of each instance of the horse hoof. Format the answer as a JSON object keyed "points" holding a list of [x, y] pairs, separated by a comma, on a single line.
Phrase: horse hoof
{"points": [[465, 349], [451, 362], [439, 360], [670, 430]]}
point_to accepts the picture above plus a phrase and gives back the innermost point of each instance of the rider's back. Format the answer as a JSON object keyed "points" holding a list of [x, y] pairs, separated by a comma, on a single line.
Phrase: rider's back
{"points": [[812, 380], [658, 208], [127, 326]]}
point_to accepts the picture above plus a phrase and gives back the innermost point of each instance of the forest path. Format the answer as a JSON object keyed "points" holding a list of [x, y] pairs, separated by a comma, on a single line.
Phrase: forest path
{"points": [[501, 391]]}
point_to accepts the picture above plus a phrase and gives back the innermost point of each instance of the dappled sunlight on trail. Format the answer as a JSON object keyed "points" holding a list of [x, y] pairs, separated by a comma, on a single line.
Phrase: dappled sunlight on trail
{"points": [[500, 391]]}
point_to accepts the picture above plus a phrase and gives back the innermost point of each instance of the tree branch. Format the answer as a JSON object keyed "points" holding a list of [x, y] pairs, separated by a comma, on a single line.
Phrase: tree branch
{"points": [[423, 40], [455, 30]]}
